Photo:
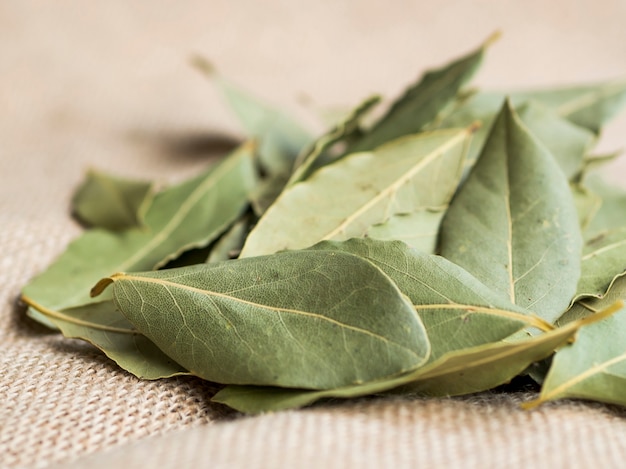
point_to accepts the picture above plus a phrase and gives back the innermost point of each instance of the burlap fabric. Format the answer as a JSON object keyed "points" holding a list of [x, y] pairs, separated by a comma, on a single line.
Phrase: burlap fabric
{"points": [[109, 85]]}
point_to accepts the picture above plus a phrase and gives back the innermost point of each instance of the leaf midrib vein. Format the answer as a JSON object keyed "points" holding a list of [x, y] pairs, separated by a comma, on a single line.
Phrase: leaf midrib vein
{"points": [[209, 293]]}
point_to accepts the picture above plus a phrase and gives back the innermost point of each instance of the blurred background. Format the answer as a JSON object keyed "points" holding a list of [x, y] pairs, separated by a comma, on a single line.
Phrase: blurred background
{"points": [[96, 84]]}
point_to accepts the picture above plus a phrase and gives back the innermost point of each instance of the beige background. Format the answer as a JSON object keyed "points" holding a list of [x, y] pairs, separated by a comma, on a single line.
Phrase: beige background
{"points": [[109, 84]]}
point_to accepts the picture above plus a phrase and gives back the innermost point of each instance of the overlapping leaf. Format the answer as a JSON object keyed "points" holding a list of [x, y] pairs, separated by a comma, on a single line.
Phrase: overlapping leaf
{"points": [[594, 366], [281, 137], [106, 328], [459, 372], [307, 319], [457, 310], [110, 202], [422, 102], [349, 317], [182, 217], [514, 225], [589, 106], [343, 200], [604, 260], [568, 142]]}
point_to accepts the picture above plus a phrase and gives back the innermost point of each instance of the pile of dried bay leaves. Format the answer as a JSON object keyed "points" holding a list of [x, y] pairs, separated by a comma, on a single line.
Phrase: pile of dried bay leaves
{"points": [[445, 248]]}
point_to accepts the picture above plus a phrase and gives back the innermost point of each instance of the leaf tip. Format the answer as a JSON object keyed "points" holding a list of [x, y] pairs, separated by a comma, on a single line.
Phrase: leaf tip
{"points": [[495, 36], [102, 284], [203, 65], [529, 405]]}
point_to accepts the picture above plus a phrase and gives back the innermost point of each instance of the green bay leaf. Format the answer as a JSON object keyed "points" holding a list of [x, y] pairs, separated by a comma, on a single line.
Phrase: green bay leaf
{"points": [[110, 202], [231, 242], [182, 217], [456, 373], [590, 106], [457, 310], [281, 138], [514, 225], [422, 102], [343, 200], [594, 366], [347, 130], [418, 229], [103, 326], [604, 260], [307, 319], [568, 142], [612, 211]]}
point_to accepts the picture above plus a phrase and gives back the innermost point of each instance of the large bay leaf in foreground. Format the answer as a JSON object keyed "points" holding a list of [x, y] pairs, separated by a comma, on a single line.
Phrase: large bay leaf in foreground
{"points": [[188, 215], [457, 310], [103, 326], [307, 319], [604, 259], [514, 225], [422, 102], [110, 202], [594, 366], [457, 373], [343, 200]]}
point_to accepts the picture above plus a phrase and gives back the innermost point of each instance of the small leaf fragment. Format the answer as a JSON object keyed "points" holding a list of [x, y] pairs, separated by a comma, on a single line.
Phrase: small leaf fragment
{"points": [[110, 202]]}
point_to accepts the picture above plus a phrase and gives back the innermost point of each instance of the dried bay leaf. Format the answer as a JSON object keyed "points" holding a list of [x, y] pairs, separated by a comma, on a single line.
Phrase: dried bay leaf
{"points": [[110, 202], [422, 102], [587, 203], [230, 244], [457, 373], [568, 143], [343, 200], [308, 319], [594, 366], [185, 216], [347, 130], [604, 260], [457, 310], [590, 106], [612, 211], [514, 225], [281, 138], [106, 328], [419, 229]]}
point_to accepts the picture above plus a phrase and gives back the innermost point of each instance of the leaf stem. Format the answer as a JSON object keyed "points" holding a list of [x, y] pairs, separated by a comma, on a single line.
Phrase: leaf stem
{"points": [[72, 320]]}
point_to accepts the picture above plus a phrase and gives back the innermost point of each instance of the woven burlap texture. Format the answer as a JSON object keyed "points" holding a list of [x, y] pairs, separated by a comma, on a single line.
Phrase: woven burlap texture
{"points": [[109, 85]]}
